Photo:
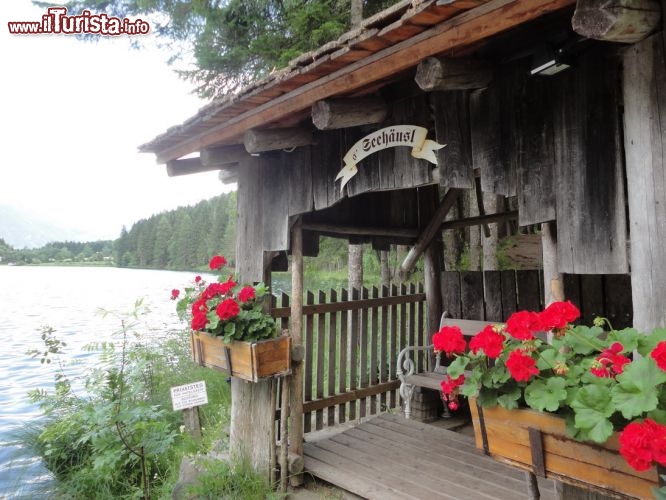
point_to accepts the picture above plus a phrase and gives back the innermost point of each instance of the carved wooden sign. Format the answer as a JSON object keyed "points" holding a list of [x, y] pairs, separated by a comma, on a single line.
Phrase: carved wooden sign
{"points": [[389, 137]]}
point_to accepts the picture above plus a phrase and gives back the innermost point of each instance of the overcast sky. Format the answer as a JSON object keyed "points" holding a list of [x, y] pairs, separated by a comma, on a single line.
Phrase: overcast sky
{"points": [[72, 115]]}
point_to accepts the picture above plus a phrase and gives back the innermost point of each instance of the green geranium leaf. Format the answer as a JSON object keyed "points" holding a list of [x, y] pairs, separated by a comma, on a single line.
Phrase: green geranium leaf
{"points": [[509, 400], [636, 391], [499, 375], [457, 367], [583, 339], [648, 342], [593, 405], [548, 358], [547, 395], [629, 338]]}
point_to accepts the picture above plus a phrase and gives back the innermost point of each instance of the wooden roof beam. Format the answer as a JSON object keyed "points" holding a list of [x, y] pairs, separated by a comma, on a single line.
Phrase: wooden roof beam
{"points": [[462, 30], [186, 166], [224, 156], [332, 114], [627, 21], [259, 141], [452, 74], [431, 229]]}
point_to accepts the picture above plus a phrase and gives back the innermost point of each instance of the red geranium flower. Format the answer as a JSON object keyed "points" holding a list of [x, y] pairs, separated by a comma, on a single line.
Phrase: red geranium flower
{"points": [[227, 286], [199, 321], [558, 315], [489, 341], [450, 340], [217, 262], [610, 362], [450, 384], [643, 443], [659, 355], [199, 306], [246, 294], [197, 279], [521, 366], [175, 293], [227, 309], [522, 325]]}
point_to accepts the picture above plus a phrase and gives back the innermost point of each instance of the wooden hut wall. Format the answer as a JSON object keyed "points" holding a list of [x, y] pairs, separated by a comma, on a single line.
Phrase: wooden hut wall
{"points": [[591, 231], [249, 225], [563, 153]]}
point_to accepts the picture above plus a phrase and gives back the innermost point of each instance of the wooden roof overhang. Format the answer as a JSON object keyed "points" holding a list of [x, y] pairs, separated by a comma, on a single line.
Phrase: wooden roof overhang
{"points": [[358, 63]]}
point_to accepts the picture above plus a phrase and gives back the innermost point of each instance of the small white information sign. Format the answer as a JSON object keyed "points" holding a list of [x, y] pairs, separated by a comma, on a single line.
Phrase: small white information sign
{"points": [[189, 395]]}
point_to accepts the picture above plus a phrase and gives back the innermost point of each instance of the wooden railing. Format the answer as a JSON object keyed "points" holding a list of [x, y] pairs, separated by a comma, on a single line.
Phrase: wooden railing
{"points": [[351, 344]]}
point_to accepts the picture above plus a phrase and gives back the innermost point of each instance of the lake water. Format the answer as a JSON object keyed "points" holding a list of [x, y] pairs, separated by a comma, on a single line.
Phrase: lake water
{"points": [[67, 299]]}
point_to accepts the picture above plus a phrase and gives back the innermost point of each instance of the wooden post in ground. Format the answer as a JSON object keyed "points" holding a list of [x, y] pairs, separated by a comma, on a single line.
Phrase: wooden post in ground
{"points": [[553, 282], [192, 423], [296, 329], [644, 89]]}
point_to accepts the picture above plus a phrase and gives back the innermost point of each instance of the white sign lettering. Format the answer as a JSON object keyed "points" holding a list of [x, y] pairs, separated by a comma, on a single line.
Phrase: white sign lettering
{"points": [[389, 137], [189, 395]]}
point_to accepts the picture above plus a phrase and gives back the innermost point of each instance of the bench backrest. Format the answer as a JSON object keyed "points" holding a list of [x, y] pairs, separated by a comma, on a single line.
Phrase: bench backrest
{"points": [[469, 327]]}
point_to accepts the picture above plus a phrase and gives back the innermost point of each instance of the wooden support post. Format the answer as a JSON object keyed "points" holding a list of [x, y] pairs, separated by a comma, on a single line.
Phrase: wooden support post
{"points": [[429, 232], [192, 423], [627, 21], [343, 113], [553, 281], [435, 73], [644, 88], [284, 433], [432, 271], [296, 331], [258, 141]]}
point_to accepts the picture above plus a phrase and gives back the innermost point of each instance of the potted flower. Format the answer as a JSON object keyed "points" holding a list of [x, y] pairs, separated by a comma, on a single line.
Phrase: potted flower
{"points": [[229, 329], [567, 406]]}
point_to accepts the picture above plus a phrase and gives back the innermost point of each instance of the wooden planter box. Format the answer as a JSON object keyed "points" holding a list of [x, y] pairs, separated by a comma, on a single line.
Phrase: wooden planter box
{"points": [[538, 442], [249, 361]]}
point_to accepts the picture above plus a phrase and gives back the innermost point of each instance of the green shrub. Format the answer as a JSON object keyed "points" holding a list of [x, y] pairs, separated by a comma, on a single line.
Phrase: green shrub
{"points": [[120, 438]]}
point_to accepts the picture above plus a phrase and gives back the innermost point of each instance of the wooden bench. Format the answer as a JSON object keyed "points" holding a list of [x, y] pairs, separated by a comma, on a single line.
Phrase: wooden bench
{"points": [[406, 368]]}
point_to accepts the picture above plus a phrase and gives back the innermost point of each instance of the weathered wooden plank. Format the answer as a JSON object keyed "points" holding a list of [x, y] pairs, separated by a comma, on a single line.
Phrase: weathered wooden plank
{"points": [[492, 293], [451, 292], [509, 294], [644, 80], [249, 225], [363, 353], [333, 355], [534, 153], [591, 233], [325, 166], [472, 295], [351, 305], [374, 340], [394, 340], [367, 177], [618, 304], [528, 290], [422, 331], [445, 478], [384, 339], [353, 353], [342, 349], [321, 356], [451, 114], [300, 180], [275, 218], [308, 364], [337, 470], [394, 473]]}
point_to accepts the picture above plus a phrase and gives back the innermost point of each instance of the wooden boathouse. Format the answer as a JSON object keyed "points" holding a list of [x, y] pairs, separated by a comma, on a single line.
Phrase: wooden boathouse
{"points": [[551, 103]]}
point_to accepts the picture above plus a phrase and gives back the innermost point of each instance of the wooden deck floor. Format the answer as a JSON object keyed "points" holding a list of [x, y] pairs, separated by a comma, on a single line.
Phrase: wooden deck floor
{"points": [[389, 457]]}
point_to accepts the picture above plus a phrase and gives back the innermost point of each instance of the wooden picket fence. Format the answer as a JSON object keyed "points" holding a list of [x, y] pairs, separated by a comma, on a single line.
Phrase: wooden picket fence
{"points": [[352, 339]]}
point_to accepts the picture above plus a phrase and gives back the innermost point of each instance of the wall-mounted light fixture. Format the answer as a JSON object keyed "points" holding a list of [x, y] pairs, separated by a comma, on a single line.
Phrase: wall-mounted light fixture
{"points": [[548, 62]]}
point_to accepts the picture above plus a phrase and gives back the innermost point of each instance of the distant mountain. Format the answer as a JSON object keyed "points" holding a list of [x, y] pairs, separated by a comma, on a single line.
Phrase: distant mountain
{"points": [[22, 230]]}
